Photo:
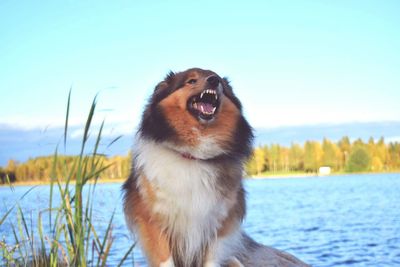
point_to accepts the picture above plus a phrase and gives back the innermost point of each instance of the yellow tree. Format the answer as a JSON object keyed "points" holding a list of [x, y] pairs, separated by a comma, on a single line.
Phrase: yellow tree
{"points": [[296, 157], [330, 155], [275, 159], [259, 158], [11, 166], [251, 166], [376, 162], [312, 156]]}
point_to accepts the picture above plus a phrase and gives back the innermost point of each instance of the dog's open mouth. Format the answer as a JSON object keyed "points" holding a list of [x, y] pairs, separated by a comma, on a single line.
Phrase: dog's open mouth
{"points": [[204, 105]]}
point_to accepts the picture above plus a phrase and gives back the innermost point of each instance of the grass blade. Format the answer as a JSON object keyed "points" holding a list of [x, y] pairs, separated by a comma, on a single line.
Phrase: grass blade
{"points": [[113, 141], [103, 255], [71, 227], [6, 215], [88, 124], [126, 255], [66, 119], [41, 236], [52, 178], [17, 241]]}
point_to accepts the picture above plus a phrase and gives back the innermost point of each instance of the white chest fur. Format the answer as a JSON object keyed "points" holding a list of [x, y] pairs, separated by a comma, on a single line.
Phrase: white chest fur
{"points": [[186, 194]]}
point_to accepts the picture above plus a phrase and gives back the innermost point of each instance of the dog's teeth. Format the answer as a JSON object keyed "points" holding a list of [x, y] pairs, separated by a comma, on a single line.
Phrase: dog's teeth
{"points": [[202, 109], [214, 110], [201, 96], [195, 105]]}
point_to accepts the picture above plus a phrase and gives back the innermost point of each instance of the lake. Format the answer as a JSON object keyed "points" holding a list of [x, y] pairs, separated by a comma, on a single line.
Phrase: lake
{"points": [[346, 220]]}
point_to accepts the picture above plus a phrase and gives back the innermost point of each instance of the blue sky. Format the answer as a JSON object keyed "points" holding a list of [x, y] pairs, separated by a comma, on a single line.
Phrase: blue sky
{"points": [[290, 62]]}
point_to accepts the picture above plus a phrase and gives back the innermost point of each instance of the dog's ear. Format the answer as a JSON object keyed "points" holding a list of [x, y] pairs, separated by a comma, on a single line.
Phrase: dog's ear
{"points": [[228, 91], [165, 83], [171, 75], [163, 88]]}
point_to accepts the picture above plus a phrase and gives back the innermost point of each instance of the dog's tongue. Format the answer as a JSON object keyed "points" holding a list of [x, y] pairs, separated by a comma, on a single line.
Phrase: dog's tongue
{"points": [[205, 107]]}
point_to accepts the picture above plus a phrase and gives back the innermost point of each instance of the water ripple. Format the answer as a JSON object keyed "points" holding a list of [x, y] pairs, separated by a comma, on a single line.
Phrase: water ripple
{"points": [[330, 221]]}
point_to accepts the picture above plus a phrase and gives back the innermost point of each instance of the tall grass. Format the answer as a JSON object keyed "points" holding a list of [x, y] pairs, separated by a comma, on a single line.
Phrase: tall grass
{"points": [[71, 238]]}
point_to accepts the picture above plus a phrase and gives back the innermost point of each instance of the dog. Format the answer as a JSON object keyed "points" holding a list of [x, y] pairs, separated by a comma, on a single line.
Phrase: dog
{"points": [[184, 197]]}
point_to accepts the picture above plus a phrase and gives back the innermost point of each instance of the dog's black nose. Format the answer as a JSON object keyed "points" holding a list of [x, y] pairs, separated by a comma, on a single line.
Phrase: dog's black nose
{"points": [[213, 80]]}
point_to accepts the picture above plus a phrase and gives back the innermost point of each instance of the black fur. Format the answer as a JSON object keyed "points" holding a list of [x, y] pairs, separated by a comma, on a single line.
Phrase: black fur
{"points": [[228, 91], [243, 139], [154, 126]]}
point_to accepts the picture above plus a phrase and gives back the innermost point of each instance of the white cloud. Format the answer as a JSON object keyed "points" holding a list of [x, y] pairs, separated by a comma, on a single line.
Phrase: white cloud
{"points": [[112, 131], [114, 124], [273, 115], [32, 123]]}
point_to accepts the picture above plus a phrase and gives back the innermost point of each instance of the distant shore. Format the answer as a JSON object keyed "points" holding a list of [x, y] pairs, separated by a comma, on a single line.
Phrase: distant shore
{"points": [[282, 175], [294, 175], [33, 183], [266, 175]]}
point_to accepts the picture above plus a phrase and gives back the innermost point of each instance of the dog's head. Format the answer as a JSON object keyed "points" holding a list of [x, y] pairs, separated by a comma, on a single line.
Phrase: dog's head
{"points": [[196, 112]]}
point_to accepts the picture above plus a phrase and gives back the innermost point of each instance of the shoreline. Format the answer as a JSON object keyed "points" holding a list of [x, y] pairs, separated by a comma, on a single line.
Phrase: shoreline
{"points": [[254, 177], [305, 175], [282, 176], [34, 183]]}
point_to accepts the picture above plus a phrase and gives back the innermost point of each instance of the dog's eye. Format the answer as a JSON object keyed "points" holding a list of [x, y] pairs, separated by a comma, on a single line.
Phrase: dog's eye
{"points": [[192, 81]]}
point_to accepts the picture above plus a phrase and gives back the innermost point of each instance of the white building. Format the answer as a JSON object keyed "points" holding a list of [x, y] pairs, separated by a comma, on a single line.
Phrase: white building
{"points": [[324, 170]]}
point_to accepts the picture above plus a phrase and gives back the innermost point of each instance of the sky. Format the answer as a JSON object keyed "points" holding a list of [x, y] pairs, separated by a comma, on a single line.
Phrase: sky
{"points": [[292, 63]]}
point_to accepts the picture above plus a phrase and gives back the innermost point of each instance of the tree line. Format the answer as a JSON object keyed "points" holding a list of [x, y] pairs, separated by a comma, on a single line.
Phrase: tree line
{"points": [[341, 156], [42, 169]]}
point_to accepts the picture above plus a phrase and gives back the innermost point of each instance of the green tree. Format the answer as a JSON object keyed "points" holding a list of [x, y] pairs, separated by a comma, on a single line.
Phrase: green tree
{"points": [[345, 150], [359, 160], [394, 156]]}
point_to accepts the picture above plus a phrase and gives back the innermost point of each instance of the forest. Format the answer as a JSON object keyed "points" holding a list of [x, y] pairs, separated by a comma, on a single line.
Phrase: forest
{"points": [[344, 156], [42, 169]]}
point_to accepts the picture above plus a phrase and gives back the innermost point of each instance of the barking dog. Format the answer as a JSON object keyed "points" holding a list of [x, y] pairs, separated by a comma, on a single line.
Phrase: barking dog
{"points": [[184, 198]]}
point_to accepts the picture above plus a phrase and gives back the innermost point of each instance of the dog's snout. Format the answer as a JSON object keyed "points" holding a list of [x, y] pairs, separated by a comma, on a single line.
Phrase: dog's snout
{"points": [[213, 80]]}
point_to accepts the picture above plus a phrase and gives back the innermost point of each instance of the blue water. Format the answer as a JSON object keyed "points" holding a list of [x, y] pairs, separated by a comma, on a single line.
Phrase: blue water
{"points": [[349, 220]]}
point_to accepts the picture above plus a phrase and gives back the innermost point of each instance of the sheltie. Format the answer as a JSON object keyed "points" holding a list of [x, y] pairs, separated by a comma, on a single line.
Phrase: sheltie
{"points": [[184, 197]]}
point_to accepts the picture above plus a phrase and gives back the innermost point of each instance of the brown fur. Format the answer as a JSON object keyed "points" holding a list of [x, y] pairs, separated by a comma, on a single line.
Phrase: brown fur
{"points": [[166, 121], [188, 128], [148, 226]]}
